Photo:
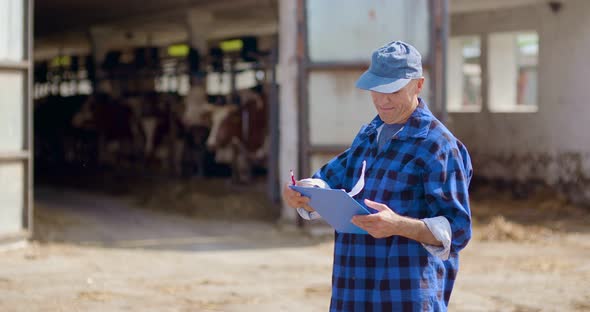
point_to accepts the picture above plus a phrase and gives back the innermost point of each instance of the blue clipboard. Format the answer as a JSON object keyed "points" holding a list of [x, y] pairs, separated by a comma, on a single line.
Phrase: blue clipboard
{"points": [[335, 206]]}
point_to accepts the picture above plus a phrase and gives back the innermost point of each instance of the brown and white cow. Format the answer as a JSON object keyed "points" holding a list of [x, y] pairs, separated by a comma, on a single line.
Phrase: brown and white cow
{"points": [[119, 133], [196, 126], [162, 127], [239, 133]]}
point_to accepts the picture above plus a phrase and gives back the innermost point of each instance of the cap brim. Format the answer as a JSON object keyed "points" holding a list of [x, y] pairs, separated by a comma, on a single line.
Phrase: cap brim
{"points": [[369, 81]]}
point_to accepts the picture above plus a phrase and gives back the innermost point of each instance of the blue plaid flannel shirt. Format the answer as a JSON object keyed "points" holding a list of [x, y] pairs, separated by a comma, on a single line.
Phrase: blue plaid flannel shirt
{"points": [[423, 172]]}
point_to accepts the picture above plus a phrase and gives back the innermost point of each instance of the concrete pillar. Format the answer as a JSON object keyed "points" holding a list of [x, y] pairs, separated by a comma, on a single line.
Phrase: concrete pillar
{"points": [[99, 43], [99, 38], [288, 97], [199, 24]]}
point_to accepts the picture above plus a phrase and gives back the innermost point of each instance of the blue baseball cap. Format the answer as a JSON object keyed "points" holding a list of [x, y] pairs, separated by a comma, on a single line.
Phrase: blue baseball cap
{"points": [[393, 66]]}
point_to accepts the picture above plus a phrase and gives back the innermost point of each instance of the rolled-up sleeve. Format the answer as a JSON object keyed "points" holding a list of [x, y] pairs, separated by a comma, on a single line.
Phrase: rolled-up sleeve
{"points": [[441, 230], [446, 185]]}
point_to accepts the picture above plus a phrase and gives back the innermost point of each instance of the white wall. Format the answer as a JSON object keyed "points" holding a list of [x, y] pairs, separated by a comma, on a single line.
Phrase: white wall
{"points": [[553, 144], [337, 109]]}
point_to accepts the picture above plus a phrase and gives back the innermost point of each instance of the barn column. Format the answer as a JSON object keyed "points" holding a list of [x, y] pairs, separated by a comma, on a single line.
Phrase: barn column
{"points": [[199, 24], [100, 42], [288, 97]]}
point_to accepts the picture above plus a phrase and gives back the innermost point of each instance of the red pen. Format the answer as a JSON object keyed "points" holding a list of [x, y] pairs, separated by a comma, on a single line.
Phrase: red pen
{"points": [[292, 177]]}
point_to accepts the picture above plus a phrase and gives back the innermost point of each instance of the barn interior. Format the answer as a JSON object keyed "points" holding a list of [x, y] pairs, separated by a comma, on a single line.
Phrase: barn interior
{"points": [[171, 102]]}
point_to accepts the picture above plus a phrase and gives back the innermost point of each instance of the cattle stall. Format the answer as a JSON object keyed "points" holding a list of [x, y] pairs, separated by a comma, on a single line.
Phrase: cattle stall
{"points": [[129, 97]]}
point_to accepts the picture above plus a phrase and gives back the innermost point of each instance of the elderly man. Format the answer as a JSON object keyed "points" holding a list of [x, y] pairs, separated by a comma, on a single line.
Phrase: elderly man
{"points": [[416, 186]]}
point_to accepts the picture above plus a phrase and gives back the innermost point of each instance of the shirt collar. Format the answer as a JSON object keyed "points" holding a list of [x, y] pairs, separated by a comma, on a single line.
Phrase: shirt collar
{"points": [[417, 126]]}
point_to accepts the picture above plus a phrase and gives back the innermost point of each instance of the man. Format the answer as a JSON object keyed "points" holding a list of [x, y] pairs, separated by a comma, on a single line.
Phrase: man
{"points": [[416, 186]]}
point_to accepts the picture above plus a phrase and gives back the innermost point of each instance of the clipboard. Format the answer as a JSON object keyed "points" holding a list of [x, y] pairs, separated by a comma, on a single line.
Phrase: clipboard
{"points": [[335, 206]]}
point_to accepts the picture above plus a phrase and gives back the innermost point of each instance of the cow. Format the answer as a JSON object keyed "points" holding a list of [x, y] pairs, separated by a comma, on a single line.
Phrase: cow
{"points": [[239, 133], [176, 131], [119, 134], [159, 120], [193, 127], [57, 141]]}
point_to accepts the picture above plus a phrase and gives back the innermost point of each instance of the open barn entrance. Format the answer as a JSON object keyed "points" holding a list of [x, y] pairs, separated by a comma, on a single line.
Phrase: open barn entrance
{"points": [[173, 104]]}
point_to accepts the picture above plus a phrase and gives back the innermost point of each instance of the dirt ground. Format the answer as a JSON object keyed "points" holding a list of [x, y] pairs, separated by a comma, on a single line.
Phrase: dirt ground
{"points": [[109, 253]]}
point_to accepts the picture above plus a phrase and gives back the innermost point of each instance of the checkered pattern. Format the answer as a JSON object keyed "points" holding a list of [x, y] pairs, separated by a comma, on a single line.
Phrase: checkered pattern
{"points": [[423, 172]]}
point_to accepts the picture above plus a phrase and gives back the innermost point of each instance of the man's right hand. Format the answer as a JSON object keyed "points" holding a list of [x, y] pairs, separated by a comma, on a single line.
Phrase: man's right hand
{"points": [[294, 199]]}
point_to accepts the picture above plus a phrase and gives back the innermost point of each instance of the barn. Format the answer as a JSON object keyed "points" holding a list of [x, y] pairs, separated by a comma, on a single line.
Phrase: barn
{"points": [[103, 93]]}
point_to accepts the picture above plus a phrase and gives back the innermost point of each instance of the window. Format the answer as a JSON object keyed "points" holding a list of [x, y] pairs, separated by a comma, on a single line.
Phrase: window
{"points": [[63, 75], [173, 76], [220, 83], [464, 74], [513, 62]]}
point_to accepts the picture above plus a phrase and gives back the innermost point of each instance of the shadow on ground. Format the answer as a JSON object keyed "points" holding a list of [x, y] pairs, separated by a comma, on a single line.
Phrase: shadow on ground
{"points": [[96, 219]]}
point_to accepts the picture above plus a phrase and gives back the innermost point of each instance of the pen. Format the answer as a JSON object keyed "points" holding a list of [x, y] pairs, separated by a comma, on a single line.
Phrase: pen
{"points": [[292, 177]]}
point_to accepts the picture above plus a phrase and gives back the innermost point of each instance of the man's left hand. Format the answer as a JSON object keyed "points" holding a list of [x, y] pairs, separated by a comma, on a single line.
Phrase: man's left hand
{"points": [[381, 224]]}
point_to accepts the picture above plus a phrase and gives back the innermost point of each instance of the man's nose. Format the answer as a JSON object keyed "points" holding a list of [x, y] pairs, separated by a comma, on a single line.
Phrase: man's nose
{"points": [[382, 99]]}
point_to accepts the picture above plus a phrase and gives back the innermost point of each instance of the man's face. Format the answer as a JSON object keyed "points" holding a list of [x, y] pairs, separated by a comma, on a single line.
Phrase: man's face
{"points": [[398, 106]]}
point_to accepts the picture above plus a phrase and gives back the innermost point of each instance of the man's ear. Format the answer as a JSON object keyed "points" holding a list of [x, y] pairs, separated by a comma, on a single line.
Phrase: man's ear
{"points": [[419, 85]]}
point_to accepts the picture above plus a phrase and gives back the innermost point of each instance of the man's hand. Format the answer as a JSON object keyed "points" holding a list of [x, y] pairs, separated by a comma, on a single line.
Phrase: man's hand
{"points": [[381, 224], [295, 199], [387, 223]]}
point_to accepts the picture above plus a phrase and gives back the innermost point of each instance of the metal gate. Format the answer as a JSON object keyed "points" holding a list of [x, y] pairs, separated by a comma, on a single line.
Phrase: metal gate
{"points": [[16, 148]]}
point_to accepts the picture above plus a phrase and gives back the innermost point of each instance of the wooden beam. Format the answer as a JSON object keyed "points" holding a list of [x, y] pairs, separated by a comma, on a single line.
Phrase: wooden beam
{"points": [[11, 156], [19, 65]]}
